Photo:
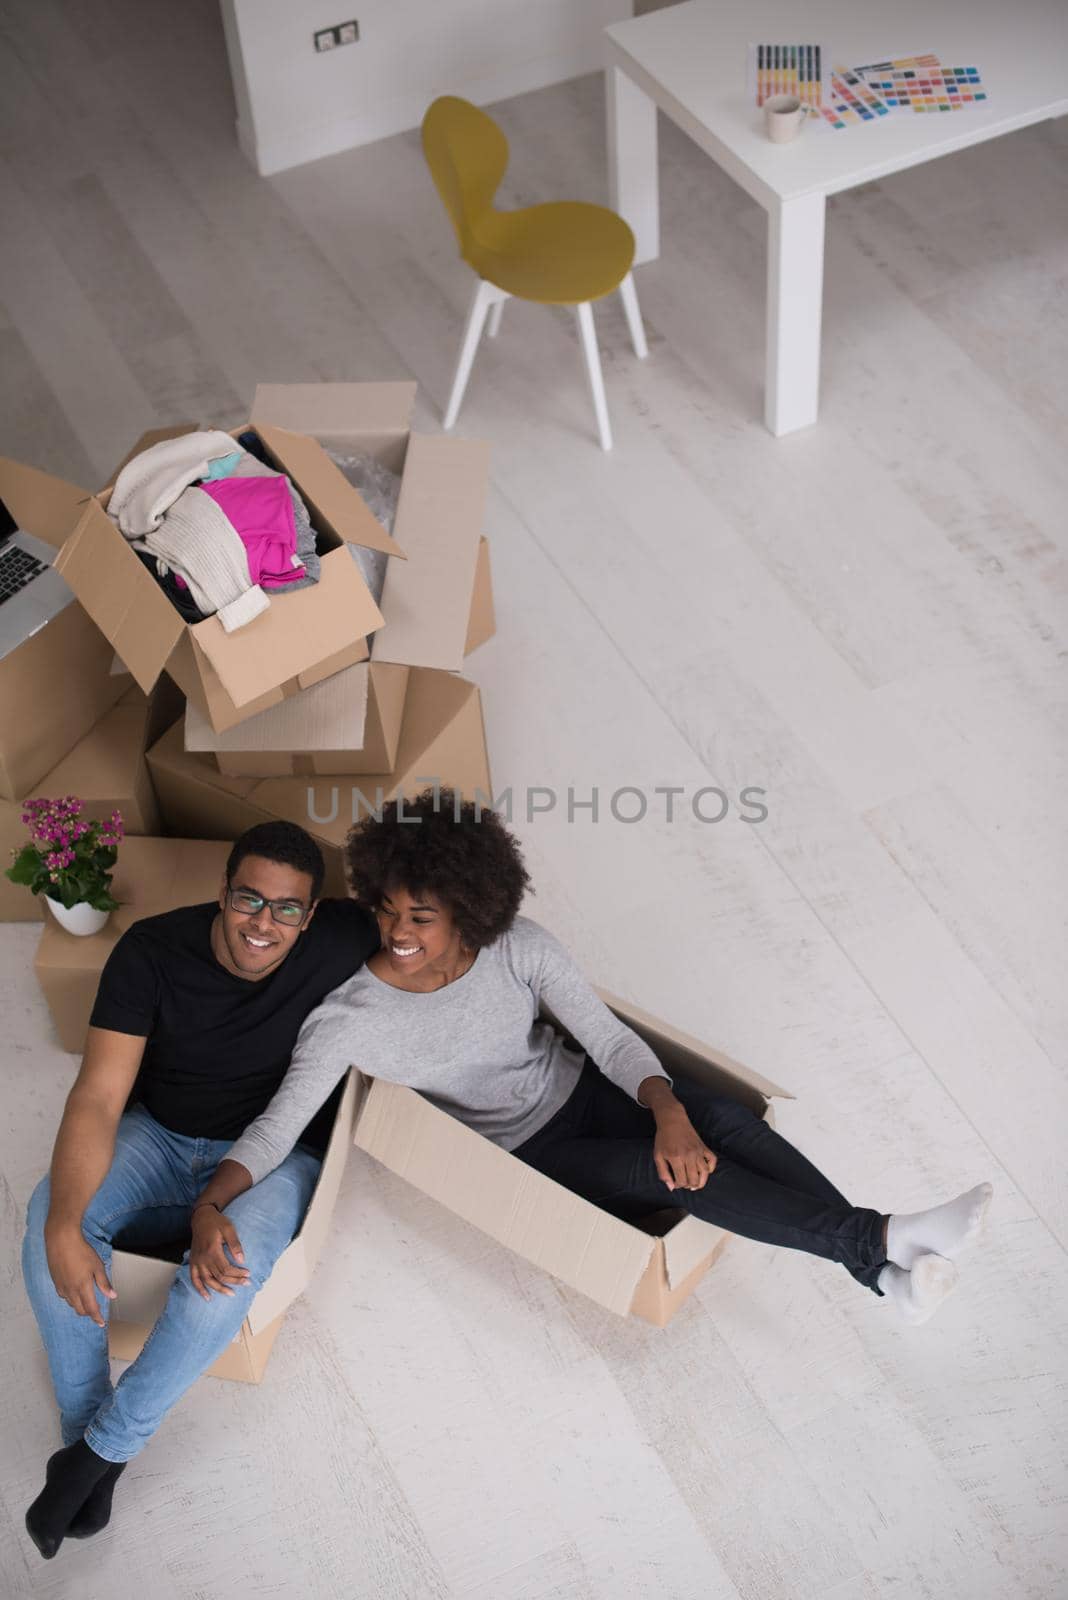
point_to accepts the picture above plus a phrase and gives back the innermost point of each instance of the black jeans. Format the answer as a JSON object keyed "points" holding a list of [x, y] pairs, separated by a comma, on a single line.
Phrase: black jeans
{"points": [[600, 1145]]}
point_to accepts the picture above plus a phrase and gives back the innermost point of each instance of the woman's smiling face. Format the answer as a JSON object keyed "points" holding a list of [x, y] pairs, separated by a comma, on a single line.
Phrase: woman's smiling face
{"points": [[418, 934]]}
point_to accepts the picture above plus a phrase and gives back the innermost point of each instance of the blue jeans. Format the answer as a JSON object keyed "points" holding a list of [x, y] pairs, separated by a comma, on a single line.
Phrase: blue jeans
{"points": [[144, 1201], [600, 1145]]}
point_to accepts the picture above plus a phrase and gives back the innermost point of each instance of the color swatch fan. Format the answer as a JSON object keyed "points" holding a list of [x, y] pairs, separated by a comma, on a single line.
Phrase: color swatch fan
{"points": [[795, 69], [851, 100], [923, 83]]}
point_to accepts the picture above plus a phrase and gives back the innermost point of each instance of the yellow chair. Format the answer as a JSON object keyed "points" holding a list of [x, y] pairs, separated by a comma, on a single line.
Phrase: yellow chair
{"points": [[564, 253]]}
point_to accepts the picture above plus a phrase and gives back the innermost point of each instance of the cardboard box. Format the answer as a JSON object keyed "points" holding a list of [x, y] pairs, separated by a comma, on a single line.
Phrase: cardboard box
{"points": [[482, 621], [431, 603], [151, 875], [107, 771], [442, 737], [298, 633], [143, 1282], [349, 723], [437, 605], [623, 1267], [56, 685]]}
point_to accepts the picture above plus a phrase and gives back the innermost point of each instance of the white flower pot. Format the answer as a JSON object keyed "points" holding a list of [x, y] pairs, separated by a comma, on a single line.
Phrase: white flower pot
{"points": [[81, 919]]}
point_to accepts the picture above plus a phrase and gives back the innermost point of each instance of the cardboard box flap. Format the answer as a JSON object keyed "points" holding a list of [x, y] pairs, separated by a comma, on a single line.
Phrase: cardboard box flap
{"points": [[327, 490], [529, 1213], [294, 633], [690, 1242], [108, 579], [141, 1284], [47, 507], [331, 715], [294, 1267], [427, 601], [339, 411], [685, 1042]]}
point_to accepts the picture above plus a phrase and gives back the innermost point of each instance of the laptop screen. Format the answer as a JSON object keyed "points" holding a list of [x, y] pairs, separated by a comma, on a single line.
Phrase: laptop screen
{"points": [[8, 525]]}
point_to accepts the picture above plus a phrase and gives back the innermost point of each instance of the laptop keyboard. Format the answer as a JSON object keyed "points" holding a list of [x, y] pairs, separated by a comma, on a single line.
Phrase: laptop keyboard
{"points": [[17, 569]]}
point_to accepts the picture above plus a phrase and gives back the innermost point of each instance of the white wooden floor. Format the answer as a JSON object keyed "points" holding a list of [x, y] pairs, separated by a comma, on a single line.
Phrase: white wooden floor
{"points": [[866, 620]]}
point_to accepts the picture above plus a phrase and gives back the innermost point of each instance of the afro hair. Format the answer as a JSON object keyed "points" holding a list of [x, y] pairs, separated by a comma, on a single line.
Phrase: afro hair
{"points": [[460, 853]]}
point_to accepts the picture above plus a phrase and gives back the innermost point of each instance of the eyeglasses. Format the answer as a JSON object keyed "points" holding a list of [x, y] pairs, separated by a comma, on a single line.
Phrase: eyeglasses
{"points": [[290, 913]]}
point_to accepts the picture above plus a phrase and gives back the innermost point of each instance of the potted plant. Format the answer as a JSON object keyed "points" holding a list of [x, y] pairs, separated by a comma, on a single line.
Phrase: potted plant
{"points": [[69, 859]]}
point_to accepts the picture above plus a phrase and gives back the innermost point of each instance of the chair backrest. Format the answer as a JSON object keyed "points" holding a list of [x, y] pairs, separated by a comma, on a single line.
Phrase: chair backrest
{"points": [[467, 155]]}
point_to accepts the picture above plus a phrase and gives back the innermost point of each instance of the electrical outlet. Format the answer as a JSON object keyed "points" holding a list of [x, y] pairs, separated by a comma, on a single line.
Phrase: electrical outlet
{"points": [[341, 33]]}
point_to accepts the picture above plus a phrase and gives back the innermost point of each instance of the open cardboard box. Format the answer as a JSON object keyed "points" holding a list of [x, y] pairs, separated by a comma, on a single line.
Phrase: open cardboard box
{"points": [[142, 1282], [619, 1265], [441, 737], [437, 605], [107, 771], [56, 685], [313, 631], [151, 876]]}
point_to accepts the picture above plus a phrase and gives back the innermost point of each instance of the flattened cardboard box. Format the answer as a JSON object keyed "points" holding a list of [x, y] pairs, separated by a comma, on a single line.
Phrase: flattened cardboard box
{"points": [[349, 723], [296, 634], [142, 1282], [442, 737], [151, 876], [619, 1265], [56, 685], [107, 771]]}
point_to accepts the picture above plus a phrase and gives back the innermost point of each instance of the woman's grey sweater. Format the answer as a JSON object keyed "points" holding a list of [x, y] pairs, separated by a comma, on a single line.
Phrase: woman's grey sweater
{"points": [[475, 1048]]}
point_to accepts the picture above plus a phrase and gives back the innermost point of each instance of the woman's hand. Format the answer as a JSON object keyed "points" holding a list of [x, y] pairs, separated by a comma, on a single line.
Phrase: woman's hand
{"points": [[683, 1160], [209, 1266]]}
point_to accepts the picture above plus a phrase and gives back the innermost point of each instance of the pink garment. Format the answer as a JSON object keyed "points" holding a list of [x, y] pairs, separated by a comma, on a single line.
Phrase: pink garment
{"points": [[261, 510]]}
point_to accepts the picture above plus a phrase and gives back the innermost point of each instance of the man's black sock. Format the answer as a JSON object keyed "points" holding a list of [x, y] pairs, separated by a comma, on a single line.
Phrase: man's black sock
{"points": [[96, 1512], [70, 1478]]}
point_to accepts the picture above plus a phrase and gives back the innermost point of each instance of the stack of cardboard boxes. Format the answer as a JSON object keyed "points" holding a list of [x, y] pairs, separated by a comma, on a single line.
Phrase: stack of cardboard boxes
{"points": [[333, 700]]}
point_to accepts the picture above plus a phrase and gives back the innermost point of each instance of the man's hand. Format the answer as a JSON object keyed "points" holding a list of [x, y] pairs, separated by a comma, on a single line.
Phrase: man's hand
{"points": [[209, 1266], [683, 1160], [77, 1271]]}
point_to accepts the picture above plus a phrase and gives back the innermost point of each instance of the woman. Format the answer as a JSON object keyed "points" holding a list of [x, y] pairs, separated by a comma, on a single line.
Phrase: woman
{"points": [[449, 1006]]}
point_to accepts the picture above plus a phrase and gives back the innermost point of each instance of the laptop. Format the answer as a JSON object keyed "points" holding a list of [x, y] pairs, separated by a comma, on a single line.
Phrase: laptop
{"points": [[31, 590]]}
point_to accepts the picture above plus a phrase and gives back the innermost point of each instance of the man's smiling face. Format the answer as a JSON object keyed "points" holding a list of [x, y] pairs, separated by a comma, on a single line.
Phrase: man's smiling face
{"points": [[252, 944]]}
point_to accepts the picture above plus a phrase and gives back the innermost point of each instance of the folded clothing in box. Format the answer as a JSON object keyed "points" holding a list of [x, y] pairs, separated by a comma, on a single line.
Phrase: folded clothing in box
{"points": [[315, 625]]}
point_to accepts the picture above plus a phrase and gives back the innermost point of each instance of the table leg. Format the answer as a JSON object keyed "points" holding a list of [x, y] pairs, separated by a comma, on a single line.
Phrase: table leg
{"points": [[633, 181], [795, 297]]}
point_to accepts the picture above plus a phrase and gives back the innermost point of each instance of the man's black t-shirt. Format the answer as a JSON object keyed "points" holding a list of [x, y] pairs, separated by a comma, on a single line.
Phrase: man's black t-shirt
{"points": [[218, 1046]]}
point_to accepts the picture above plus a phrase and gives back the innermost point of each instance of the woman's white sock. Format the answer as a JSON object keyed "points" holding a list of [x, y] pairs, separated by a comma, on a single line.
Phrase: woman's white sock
{"points": [[944, 1230], [918, 1294]]}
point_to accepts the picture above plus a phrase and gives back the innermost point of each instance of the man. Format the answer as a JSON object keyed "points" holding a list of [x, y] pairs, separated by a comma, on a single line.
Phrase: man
{"points": [[195, 1019]]}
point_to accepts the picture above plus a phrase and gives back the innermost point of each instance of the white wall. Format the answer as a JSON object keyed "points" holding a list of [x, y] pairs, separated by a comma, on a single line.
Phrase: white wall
{"points": [[295, 105]]}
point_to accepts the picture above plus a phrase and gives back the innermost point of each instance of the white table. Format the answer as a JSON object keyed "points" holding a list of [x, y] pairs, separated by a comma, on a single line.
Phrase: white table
{"points": [[690, 60]]}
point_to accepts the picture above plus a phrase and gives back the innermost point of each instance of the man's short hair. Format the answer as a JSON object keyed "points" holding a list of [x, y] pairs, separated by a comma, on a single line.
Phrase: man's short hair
{"points": [[283, 842]]}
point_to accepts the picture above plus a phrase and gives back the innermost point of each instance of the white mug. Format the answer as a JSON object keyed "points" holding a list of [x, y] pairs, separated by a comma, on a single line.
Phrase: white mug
{"points": [[783, 116]]}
